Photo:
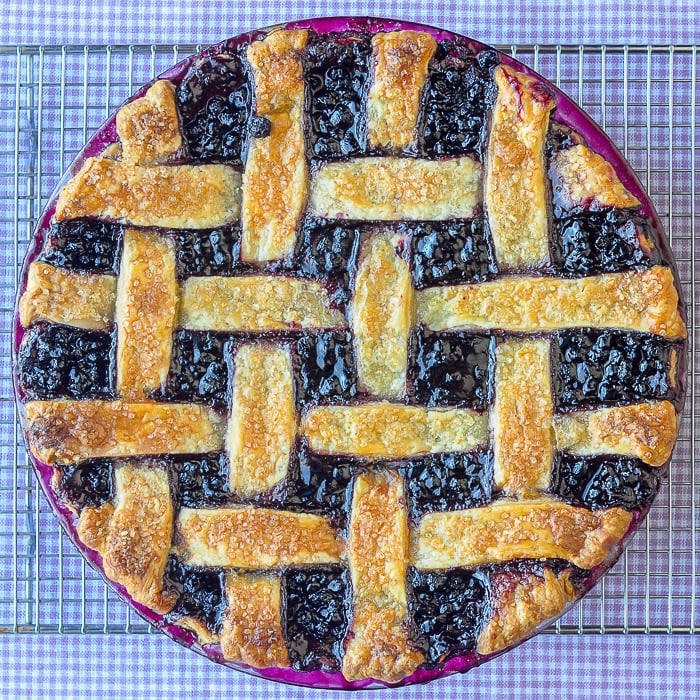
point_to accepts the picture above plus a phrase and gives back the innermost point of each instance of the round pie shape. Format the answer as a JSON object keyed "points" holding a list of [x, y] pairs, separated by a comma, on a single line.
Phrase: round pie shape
{"points": [[350, 352]]}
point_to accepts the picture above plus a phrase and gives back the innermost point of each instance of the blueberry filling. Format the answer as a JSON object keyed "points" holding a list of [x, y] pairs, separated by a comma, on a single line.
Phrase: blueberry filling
{"points": [[328, 251], [447, 609], [199, 367], [337, 76], [215, 104], [325, 368], [56, 361], [604, 481], [451, 252], [448, 481], [207, 253], [591, 243], [315, 616], [593, 367], [319, 484], [202, 480], [456, 100], [559, 138], [85, 245], [200, 593], [88, 484], [451, 368]]}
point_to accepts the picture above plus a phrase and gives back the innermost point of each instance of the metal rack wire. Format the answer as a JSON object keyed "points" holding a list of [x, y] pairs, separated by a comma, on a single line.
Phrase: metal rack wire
{"points": [[52, 98]]}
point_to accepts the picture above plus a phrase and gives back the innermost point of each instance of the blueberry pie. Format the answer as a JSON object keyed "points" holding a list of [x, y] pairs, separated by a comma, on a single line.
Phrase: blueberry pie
{"points": [[356, 356]]}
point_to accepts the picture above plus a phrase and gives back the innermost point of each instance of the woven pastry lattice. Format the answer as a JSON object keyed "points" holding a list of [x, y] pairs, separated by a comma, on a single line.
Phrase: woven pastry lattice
{"points": [[318, 376]]}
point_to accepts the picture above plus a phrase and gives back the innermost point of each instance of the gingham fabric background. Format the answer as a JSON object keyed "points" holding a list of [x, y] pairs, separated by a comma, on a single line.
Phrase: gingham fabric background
{"points": [[151, 666]]}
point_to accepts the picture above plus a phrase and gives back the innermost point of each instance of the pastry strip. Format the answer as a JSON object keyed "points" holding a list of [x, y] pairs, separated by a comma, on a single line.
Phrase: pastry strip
{"points": [[170, 196], [149, 127], [252, 626], [385, 430], [73, 298], [147, 296], [583, 178], [255, 304], [254, 538], [515, 188], [275, 181], [504, 530], [400, 62], [378, 543], [520, 604], [134, 533], [646, 431], [638, 301], [523, 438], [389, 188], [66, 432], [382, 315], [262, 426]]}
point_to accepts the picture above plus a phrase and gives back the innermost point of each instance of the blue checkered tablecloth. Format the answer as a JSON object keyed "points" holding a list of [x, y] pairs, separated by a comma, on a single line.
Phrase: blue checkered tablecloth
{"points": [[151, 666]]}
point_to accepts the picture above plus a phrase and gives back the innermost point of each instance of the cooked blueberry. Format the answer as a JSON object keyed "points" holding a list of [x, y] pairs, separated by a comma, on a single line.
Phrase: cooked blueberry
{"points": [[593, 367], [451, 368], [260, 127], [325, 367], [315, 616], [61, 361], [604, 481], [87, 245], [199, 367], [328, 251], [451, 252], [319, 484], [447, 610], [456, 101], [337, 74], [202, 480], [214, 252], [589, 243], [200, 593], [215, 104], [88, 484], [560, 137], [448, 481]]}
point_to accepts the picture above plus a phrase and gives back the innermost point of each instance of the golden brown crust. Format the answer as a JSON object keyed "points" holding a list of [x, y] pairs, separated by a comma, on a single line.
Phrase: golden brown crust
{"points": [[73, 298], [390, 188], [638, 300], [379, 646], [254, 538], [647, 431], [520, 607], [505, 530], [170, 196], [275, 181], [400, 62], [386, 430], [149, 127], [515, 190], [262, 426], [583, 178], [378, 543], [134, 535], [256, 303], [523, 438], [147, 297], [66, 432], [382, 316], [252, 629]]}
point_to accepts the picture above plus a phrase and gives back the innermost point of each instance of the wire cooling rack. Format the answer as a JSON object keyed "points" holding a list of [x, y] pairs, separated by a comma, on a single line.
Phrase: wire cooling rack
{"points": [[53, 98]]}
